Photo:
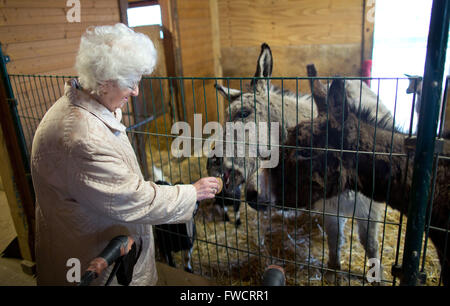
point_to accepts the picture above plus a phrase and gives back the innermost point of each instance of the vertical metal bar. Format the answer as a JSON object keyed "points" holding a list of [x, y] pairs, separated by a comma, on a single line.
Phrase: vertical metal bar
{"points": [[173, 120], [388, 193], [235, 213], [325, 175], [222, 198], [270, 181], [13, 109], [233, 187], [356, 181], [283, 253], [296, 182], [341, 153], [26, 116], [426, 134], [140, 137], [310, 186], [373, 164], [408, 157], [435, 167], [257, 185]]}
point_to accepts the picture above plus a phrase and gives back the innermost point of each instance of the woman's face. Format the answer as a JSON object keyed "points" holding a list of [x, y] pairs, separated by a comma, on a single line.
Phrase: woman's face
{"points": [[115, 97]]}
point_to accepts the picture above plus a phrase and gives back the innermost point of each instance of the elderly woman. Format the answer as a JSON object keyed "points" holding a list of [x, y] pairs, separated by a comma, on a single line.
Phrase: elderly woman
{"points": [[89, 187]]}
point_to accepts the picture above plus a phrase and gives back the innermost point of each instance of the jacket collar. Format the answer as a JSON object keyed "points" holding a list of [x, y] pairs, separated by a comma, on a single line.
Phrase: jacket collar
{"points": [[76, 96]]}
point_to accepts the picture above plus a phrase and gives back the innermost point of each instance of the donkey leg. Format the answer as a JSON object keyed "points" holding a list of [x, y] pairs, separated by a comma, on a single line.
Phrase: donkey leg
{"points": [[225, 214], [334, 228], [237, 206], [368, 229], [187, 256], [169, 259]]}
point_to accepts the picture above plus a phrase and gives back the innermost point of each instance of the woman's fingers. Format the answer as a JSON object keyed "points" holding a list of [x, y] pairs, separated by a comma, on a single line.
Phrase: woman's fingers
{"points": [[207, 188]]}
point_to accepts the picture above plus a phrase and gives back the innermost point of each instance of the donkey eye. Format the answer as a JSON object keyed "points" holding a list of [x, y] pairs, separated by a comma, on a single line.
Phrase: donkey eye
{"points": [[303, 154], [243, 114]]}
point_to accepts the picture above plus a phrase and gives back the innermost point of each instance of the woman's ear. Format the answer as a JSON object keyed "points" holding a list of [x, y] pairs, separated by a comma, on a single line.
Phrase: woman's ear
{"points": [[105, 87]]}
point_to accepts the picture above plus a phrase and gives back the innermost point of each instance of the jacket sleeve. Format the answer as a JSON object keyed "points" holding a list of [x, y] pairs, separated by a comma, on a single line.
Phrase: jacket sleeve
{"points": [[103, 182]]}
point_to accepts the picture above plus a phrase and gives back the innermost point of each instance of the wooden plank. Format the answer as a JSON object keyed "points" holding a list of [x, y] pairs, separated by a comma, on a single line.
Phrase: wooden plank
{"points": [[43, 63], [62, 71], [17, 212], [190, 55], [215, 33], [367, 30], [123, 7], [302, 22], [166, 14], [18, 51], [38, 16], [327, 34], [54, 4], [195, 14], [184, 6], [28, 33]]}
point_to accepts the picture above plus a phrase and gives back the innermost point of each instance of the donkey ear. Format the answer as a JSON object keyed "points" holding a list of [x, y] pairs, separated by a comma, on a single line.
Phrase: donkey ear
{"points": [[229, 93], [415, 82], [337, 100], [263, 67], [318, 90]]}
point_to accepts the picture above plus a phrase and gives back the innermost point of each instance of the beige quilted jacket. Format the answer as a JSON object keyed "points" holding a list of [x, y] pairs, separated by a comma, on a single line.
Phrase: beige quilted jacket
{"points": [[89, 189]]}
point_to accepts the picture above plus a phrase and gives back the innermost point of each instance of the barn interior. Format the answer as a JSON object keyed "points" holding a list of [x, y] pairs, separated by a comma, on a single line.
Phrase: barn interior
{"points": [[200, 43]]}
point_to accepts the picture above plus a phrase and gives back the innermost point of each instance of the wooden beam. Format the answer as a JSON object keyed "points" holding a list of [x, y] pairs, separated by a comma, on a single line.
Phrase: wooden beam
{"points": [[214, 9], [123, 7], [367, 30], [17, 212], [17, 186], [132, 4], [169, 16]]}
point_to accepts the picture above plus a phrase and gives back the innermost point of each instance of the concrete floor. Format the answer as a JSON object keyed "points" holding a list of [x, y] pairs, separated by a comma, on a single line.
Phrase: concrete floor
{"points": [[11, 273]]}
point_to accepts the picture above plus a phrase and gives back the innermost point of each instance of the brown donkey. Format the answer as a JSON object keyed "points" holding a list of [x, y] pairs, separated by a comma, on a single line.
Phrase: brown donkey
{"points": [[347, 148]]}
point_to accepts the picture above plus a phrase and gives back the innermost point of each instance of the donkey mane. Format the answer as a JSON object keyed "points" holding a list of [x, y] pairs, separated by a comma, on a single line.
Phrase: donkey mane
{"points": [[369, 116]]}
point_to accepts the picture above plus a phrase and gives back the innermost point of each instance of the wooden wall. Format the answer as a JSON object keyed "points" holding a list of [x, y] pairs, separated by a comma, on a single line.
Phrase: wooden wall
{"points": [[196, 54], [38, 37], [328, 33]]}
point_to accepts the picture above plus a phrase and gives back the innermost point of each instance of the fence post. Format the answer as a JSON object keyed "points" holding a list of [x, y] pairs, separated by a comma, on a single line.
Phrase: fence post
{"points": [[13, 137], [426, 135]]}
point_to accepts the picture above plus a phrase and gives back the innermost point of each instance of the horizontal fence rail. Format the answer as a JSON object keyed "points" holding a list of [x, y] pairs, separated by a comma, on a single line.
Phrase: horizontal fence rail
{"points": [[297, 236]]}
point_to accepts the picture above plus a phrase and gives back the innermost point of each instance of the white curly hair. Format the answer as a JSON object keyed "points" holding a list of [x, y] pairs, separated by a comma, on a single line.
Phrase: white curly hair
{"points": [[114, 53]]}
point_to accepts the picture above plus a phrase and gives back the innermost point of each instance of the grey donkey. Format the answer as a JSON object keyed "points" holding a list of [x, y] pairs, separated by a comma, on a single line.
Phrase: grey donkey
{"points": [[264, 102]]}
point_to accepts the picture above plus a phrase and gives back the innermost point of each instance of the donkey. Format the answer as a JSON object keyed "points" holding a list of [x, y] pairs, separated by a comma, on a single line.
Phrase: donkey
{"points": [[415, 87], [251, 105], [349, 163]]}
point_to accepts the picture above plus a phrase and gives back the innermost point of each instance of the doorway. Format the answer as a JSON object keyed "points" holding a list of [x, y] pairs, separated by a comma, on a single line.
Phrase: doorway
{"points": [[399, 48]]}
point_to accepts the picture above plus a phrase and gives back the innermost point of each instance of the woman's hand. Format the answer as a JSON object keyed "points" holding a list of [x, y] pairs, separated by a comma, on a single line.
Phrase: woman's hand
{"points": [[207, 188]]}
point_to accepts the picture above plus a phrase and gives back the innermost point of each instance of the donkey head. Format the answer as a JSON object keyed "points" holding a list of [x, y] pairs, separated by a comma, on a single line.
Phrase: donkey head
{"points": [[250, 105], [316, 168]]}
